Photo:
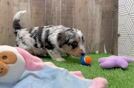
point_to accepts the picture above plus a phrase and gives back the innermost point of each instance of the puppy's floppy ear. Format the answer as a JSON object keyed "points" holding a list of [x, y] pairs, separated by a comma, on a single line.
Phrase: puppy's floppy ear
{"points": [[61, 39], [64, 37]]}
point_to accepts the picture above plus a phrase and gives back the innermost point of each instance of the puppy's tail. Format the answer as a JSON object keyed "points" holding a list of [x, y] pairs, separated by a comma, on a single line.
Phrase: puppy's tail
{"points": [[16, 20]]}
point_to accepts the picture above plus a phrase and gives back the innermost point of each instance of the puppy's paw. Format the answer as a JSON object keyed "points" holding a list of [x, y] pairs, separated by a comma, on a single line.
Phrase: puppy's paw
{"points": [[59, 59]]}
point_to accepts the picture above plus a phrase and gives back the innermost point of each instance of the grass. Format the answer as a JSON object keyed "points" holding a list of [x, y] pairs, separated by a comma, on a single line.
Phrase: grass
{"points": [[117, 78]]}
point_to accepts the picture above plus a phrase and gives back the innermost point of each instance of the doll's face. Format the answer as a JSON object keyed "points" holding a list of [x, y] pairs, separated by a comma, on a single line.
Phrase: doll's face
{"points": [[12, 65], [6, 58]]}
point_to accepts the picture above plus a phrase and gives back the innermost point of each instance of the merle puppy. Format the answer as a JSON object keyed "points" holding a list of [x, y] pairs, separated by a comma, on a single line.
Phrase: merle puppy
{"points": [[48, 39]]}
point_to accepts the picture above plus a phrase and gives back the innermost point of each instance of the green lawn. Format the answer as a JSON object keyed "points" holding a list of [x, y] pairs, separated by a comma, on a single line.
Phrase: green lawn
{"points": [[117, 78]]}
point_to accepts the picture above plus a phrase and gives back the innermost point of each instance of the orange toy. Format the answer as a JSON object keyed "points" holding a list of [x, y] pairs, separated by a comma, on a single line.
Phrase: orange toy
{"points": [[85, 60], [88, 59]]}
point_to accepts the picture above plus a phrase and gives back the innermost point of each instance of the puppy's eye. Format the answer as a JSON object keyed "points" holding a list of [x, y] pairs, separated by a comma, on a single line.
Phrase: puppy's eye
{"points": [[74, 44]]}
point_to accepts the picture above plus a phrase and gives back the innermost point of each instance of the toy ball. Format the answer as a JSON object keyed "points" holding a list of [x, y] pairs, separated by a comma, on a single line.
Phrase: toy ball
{"points": [[85, 60]]}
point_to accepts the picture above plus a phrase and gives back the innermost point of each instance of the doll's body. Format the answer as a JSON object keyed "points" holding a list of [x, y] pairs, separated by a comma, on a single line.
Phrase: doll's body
{"points": [[20, 69]]}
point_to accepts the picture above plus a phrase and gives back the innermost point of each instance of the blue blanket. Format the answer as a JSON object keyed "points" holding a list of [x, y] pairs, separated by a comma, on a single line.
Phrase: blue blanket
{"points": [[50, 77]]}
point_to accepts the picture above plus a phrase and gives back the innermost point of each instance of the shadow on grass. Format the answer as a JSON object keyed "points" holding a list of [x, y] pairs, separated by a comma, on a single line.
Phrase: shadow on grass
{"points": [[115, 68], [68, 59]]}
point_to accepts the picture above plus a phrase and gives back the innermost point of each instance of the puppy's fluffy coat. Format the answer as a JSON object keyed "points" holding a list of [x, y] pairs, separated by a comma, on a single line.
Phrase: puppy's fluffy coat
{"points": [[50, 39]]}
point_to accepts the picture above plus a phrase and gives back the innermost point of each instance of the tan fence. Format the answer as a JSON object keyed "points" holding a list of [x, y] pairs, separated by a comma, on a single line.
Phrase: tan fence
{"points": [[96, 18]]}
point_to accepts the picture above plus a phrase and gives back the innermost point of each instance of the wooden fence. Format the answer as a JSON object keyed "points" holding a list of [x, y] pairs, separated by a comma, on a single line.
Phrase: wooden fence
{"points": [[96, 18]]}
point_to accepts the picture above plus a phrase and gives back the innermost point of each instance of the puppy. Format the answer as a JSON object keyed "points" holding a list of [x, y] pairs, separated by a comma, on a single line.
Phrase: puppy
{"points": [[48, 39]]}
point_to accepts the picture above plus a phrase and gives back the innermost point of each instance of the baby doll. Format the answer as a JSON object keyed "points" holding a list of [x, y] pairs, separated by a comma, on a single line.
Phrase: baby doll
{"points": [[20, 69], [13, 63]]}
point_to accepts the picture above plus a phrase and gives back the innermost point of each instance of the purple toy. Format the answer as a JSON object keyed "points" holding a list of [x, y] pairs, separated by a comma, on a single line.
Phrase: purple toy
{"points": [[115, 61]]}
